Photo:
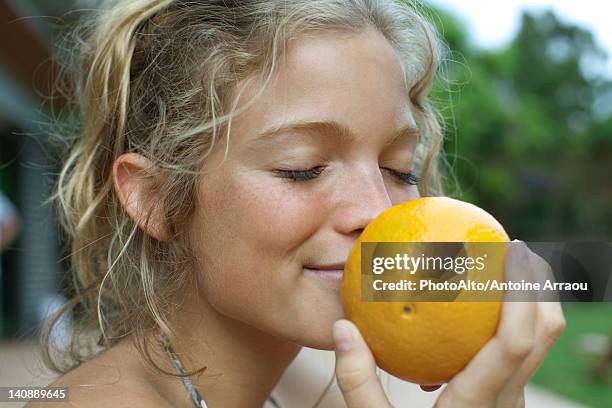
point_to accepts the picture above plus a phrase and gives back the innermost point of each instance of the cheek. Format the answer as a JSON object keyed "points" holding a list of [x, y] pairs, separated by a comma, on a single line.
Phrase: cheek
{"points": [[248, 236], [273, 218]]}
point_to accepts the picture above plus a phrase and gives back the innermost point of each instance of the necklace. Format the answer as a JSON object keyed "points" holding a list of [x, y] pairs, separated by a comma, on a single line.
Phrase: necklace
{"points": [[178, 367]]}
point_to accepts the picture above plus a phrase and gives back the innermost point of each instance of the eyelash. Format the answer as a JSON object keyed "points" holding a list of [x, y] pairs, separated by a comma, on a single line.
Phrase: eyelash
{"points": [[309, 174]]}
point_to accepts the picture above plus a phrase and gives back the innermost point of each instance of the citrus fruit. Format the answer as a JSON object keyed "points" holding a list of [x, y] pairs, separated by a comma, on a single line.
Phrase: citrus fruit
{"points": [[423, 342]]}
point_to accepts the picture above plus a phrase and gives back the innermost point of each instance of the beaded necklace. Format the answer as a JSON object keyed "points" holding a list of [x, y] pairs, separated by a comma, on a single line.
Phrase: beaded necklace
{"points": [[178, 367]]}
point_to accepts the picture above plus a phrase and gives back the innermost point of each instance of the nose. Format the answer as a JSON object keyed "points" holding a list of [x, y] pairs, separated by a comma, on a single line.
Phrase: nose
{"points": [[364, 196]]}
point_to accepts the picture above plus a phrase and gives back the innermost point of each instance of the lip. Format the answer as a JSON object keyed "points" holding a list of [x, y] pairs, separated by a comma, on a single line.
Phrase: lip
{"points": [[329, 267], [331, 274]]}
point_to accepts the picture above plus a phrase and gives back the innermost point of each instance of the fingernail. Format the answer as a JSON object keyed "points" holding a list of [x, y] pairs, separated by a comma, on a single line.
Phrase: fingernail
{"points": [[343, 338]]}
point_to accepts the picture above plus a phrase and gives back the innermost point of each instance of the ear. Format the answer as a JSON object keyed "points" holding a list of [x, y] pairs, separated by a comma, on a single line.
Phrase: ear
{"points": [[132, 175]]}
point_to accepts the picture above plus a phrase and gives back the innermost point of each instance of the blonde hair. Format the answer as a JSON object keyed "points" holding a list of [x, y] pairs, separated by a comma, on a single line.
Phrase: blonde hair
{"points": [[160, 78]]}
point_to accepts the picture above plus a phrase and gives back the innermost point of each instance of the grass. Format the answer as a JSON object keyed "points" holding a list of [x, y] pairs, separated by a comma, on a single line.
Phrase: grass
{"points": [[564, 371]]}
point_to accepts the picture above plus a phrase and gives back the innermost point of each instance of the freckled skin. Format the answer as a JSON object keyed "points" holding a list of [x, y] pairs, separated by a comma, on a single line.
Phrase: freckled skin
{"points": [[253, 231]]}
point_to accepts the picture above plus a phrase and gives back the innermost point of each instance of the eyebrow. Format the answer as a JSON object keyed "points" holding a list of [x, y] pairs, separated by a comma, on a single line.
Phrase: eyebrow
{"points": [[343, 133]]}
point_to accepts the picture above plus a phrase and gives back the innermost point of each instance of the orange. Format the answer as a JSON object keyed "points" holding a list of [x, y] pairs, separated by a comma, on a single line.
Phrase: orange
{"points": [[423, 342]]}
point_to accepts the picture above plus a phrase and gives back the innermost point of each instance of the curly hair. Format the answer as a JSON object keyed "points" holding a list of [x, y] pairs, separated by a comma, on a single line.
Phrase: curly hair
{"points": [[161, 78]]}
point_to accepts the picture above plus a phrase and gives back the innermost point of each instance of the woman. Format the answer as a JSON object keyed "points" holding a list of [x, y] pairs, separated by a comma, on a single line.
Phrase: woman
{"points": [[229, 153]]}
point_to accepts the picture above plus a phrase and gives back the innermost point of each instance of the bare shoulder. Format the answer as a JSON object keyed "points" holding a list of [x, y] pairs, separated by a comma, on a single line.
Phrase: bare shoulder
{"points": [[105, 381], [103, 400]]}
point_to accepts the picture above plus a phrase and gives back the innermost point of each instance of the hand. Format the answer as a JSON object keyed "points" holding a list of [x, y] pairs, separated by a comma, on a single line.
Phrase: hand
{"points": [[495, 377]]}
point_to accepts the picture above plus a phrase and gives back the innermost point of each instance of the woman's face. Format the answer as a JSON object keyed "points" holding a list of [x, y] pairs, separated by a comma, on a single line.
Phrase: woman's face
{"points": [[286, 204]]}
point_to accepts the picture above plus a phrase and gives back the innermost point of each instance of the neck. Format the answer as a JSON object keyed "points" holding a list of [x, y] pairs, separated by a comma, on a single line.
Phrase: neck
{"points": [[243, 364]]}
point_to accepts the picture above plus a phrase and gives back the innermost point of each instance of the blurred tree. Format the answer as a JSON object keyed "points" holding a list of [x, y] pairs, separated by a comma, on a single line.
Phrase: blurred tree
{"points": [[528, 134]]}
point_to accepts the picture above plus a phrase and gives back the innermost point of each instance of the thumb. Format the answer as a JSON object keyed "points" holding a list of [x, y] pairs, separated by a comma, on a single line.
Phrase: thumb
{"points": [[356, 369]]}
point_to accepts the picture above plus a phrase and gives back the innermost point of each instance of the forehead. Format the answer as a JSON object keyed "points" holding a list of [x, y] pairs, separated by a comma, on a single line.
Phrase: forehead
{"points": [[354, 79]]}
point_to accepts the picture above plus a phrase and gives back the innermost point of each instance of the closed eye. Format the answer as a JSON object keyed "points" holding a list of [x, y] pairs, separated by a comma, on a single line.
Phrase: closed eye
{"points": [[296, 175], [300, 174], [406, 178]]}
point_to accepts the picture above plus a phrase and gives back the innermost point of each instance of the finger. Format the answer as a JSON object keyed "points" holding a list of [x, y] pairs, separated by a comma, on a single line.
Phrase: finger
{"points": [[542, 273], [550, 324], [356, 368], [489, 371], [519, 268]]}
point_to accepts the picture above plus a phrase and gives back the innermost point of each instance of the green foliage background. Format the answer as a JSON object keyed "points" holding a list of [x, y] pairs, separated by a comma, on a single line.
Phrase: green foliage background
{"points": [[529, 128], [529, 139]]}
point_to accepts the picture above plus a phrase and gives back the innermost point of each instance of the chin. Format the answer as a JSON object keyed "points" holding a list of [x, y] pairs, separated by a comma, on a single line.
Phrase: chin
{"points": [[318, 335], [321, 343]]}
